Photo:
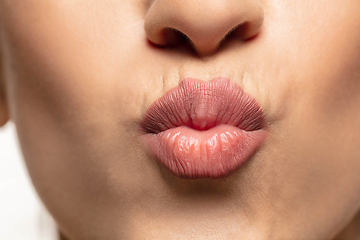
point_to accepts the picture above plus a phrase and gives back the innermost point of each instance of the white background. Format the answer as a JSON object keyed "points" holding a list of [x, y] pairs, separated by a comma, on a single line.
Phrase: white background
{"points": [[22, 215]]}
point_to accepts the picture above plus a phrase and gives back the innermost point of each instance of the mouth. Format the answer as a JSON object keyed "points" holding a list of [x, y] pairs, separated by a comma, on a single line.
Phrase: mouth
{"points": [[204, 129]]}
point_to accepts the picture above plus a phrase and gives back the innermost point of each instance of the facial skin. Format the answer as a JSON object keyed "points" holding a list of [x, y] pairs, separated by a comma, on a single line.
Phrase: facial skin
{"points": [[79, 75]]}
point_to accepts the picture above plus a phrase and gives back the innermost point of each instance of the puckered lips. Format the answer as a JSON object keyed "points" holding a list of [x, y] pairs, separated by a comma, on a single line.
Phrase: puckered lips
{"points": [[204, 129]]}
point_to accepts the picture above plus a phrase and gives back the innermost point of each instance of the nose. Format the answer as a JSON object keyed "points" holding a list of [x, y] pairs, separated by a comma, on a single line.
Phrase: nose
{"points": [[205, 23]]}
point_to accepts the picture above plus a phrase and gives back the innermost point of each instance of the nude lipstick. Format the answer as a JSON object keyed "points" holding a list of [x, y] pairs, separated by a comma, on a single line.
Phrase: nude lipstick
{"points": [[204, 129]]}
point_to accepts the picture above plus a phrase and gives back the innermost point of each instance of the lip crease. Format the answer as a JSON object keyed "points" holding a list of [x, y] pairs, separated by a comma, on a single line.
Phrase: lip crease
{"points": [[204, 129]]}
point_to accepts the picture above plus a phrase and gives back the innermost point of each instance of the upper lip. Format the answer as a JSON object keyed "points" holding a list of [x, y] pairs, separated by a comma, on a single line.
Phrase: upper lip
{"points": [[202, 105]]}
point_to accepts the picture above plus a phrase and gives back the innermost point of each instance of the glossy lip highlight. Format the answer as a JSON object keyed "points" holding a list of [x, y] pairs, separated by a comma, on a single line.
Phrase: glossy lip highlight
{"points": [[204, 129]]}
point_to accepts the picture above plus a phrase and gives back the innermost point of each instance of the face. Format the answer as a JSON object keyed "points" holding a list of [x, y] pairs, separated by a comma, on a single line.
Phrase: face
{"points": [[79, 76]]}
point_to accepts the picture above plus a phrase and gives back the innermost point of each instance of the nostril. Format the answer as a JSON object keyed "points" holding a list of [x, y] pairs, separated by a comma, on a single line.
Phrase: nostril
{"points": [[177, 23], [247, 31], [168, 38], [173, 37], [241, 32]]}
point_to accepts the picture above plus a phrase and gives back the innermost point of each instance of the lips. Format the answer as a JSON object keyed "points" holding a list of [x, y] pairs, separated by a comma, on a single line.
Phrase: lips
{"points": [[204, 129]]}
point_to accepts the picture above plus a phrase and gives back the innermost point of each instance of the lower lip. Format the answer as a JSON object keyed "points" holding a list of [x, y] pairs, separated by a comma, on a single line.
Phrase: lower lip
{"points": [[214, 153]]}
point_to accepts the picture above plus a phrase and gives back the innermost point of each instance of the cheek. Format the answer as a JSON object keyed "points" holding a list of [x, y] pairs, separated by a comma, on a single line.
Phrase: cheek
{"points": [[319, 52], [314, 151], [73, 104], [78, 80]]}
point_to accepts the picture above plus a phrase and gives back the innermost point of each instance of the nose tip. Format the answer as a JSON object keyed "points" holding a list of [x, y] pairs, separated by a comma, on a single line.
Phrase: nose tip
{"points": [[205, 23]]}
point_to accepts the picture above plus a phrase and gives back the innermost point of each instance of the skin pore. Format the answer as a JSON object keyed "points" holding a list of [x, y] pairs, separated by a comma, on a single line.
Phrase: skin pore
{"points": [[78, 76]]}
